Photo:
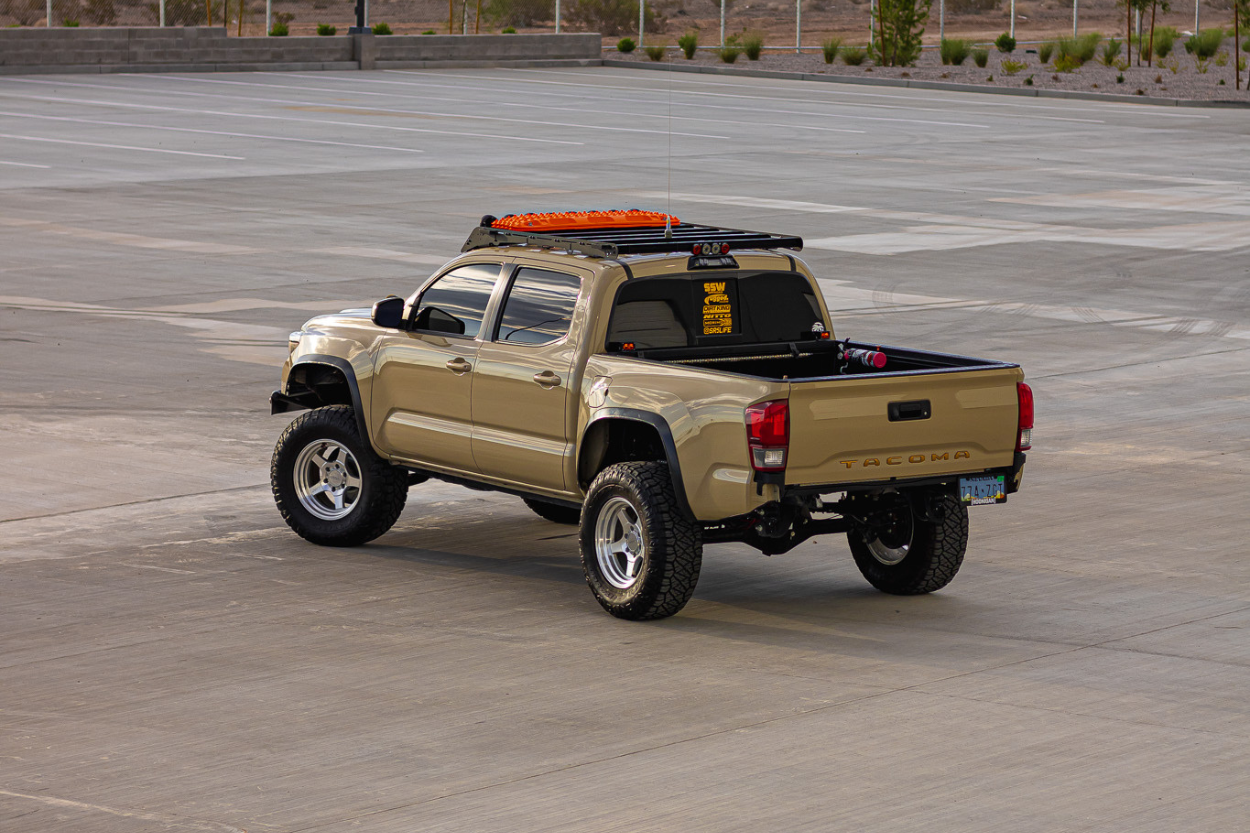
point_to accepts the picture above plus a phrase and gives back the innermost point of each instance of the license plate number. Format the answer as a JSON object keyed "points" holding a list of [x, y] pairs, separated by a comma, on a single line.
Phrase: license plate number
{"points": [[975, 491]]}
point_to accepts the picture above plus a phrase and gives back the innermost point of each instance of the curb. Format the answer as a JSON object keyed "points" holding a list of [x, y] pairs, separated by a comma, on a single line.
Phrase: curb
{"points": [[928, 85]]}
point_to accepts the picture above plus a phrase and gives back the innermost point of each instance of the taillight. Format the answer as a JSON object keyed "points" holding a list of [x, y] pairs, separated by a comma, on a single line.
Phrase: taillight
{"points": [[768, 434], [1024, 432]]}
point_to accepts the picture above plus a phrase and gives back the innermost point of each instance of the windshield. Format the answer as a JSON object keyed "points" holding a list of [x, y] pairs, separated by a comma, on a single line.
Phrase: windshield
{"points": [[712, 308]]}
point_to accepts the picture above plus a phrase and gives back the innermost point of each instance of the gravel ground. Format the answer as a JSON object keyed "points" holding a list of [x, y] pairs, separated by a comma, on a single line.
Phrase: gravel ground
{"points": [[1158, 81]]}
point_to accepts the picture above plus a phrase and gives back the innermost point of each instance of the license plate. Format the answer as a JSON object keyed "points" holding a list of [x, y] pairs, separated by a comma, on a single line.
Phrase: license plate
{"points": [[978, 490]]}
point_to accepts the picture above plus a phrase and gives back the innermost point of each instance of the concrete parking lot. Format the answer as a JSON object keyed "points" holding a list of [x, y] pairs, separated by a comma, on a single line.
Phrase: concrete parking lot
{"points": [[175, 659]]}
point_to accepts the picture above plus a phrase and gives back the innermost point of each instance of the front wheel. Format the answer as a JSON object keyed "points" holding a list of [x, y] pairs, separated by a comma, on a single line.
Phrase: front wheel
{"points": [[641, 555], [330, 486], [908, 546]]}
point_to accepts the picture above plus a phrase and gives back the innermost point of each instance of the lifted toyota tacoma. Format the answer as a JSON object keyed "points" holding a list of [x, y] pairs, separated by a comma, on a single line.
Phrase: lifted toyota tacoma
{"points": [[665, 385]]}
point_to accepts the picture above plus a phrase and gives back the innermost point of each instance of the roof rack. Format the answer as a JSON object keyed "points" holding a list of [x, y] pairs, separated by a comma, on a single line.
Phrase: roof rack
{"points": [[613, 242]]}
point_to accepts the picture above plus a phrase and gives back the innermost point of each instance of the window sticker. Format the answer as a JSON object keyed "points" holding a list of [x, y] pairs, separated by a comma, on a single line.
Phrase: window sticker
{"points": [[719, 302]]}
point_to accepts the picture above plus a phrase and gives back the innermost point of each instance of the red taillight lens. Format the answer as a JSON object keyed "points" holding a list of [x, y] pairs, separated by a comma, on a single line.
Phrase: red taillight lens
{"points": [[1024, 433], [768, 434]]}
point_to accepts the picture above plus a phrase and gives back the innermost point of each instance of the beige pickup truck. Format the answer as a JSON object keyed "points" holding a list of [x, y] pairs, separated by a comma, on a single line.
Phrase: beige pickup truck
{"points": [[664, 384]]}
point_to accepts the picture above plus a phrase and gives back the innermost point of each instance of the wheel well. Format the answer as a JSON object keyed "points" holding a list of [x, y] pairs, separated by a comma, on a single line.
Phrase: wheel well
{"points": [[315, 385], [610, 441]]}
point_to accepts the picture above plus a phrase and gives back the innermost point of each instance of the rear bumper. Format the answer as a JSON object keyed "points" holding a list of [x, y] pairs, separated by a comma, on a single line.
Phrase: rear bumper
{"points": [[1012, 475]]}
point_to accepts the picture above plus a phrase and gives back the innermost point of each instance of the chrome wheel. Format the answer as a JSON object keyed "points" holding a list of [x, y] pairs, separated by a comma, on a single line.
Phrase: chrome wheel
{"points": [[327, 480], [620, 547], [891, 543]]}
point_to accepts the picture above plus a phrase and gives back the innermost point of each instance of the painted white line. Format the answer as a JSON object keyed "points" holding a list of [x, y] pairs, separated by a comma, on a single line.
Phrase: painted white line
{"points": [[116, 147], [207, 132], [125, 239], [508, 138], [436, 114], [385, 254], [23, 164]]}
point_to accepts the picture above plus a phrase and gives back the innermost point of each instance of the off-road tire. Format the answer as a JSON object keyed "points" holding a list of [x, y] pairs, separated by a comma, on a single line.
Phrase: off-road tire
{"points": [[383, 487], [554, 512], [936, 552], [674, 543]]}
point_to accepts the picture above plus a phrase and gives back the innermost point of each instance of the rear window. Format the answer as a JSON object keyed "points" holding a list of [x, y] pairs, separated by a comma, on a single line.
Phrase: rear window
{"points": [[709, 308]]}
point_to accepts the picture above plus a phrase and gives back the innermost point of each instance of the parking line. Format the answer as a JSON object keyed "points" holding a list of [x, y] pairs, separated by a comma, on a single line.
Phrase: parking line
{"points": [[23, 164], [117, 147]]}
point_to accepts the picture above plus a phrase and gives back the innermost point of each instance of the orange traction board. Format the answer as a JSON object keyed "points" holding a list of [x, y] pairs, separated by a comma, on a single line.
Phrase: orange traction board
{"points": [[584, 220]]}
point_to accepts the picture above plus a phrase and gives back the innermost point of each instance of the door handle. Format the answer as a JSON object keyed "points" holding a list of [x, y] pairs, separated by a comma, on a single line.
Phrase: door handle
{"points": [[547, 380], [459, 366]]}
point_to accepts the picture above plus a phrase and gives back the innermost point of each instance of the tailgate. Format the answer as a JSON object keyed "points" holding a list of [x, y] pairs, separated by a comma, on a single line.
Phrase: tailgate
{"points": [[842, 429]]}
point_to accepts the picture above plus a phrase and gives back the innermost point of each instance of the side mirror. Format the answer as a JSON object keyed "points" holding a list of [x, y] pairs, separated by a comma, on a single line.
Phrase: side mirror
{"points": [[389, 313]]}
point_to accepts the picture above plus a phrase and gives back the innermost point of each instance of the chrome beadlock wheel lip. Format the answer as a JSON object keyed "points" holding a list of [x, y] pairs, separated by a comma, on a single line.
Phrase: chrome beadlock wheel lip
{"points": [[900, 545], [327, 480], [620, 547]]}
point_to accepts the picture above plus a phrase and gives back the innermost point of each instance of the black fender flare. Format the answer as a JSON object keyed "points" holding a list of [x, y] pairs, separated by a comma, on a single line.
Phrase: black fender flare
{"points": [[353, 386], [666, 440]]}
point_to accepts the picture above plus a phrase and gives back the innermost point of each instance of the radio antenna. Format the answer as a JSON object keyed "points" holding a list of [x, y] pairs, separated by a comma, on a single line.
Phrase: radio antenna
{"points": [[669, 207]]}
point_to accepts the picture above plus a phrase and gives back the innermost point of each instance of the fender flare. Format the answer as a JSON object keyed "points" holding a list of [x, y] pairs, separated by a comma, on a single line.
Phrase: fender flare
{"points": [[353, 385], [666, 440]]}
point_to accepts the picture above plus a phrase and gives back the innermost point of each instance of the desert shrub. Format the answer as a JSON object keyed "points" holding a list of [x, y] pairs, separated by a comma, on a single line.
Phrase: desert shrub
{"points": [[1011, 67], [1205, 44], [71, 23], [279, 30], [1245, 45], [1045, 50], [1221, 59], [101, 12], [325, 29], [626, 45], [899, 25], [689, 44], [854, 56], [1005, 43], [1066, 63], [382, 29], [655, 53], [981, 56], [507, 30], [830, 49], [1080, 50], [519, 12], [954, 51], [729, 54], [612, 17], [1165, 39], [752, 45], [1110, 51], [1119, 79]]}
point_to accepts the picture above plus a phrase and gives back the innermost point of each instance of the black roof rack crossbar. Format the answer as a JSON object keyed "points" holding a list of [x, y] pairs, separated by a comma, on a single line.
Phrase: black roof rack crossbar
{"points": [[613, 242]]}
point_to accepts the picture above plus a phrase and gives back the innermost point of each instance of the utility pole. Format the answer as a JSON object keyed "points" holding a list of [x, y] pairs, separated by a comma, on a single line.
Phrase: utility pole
{"points": [[642, 13], [722, 22], [1012, 28], [798, 26]]}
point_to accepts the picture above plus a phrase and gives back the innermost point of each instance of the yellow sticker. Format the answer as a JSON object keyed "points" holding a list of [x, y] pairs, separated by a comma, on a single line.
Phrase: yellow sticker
{"points": [[717, 309]]}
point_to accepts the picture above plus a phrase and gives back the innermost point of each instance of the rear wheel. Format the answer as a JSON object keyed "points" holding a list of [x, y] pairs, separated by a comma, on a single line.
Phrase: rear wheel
{"points": [[554, 512], [911, 544], [330, 486], [641, 555]]}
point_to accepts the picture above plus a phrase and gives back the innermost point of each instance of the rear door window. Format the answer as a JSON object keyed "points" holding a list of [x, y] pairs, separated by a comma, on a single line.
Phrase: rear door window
{"points": [[539, 308]]}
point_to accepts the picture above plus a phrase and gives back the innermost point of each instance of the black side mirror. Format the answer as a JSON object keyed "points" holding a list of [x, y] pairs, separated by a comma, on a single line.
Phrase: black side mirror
{"points": [[389, 313]]}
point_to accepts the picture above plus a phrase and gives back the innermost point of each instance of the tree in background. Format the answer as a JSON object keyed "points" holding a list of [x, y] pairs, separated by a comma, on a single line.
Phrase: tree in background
{"points": [[1150, 49], [900, 25]]}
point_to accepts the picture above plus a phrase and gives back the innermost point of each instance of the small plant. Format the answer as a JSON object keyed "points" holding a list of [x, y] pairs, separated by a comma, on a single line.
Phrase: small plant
{"points": [[655, 53], [1045, 50], [954, 51], [1120, 63], [71, 23], [854, 56], [1119, 79], [325, 29], [1172, 65], [1205, 44], [1011, 67], [990, 79], [1221, 59], [1005, 43], [507, 30], [279, 30], [1028, 82], [1110, 51], [1203, 66], [1221, 82], [1159, 79], [1067, 63], [1241, 64], [689, 44], [626, 45], [1245, 45], [431, 32], [729, 54], [752, 45], [1165, 39], [382, 29], [981, 57], [830, 49]]}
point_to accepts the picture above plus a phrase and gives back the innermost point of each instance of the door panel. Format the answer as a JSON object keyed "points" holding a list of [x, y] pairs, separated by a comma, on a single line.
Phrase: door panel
{"points": [[522, 380]]}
